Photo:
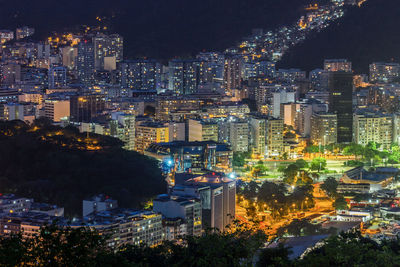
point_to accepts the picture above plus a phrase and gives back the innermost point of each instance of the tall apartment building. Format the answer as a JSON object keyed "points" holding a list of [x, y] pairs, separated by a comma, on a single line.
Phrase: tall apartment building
{"points": [[122, 126], [85, 62], [84, 108], [199, 130], [57, 77], [177, 131], [10, 74], [215, 66], [341, 103], [23, 32], [291, 75], [373, 127], [185, 75], [337, 65], [57, 109], [167, 104], [304, 112], [187, 209], [69, 55], [265, 68], [108, 51], [319, 79], [232, 74], [396, 128], [148, 133], [141, 74], [384, 72], [259, 134], [218, 198], [239, 135], [324, 129], [275, 138], [281, 97]]}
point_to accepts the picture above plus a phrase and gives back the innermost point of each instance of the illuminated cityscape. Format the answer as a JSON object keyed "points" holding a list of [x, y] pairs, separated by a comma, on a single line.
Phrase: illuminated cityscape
{"points": [[163, 159]]}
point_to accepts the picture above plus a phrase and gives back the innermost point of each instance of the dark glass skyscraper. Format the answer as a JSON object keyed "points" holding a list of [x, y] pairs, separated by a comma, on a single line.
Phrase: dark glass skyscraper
{"points": [[84, 108], [341, 103]]}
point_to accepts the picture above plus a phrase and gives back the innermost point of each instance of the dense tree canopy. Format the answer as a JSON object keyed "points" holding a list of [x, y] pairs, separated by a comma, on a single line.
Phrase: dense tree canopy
{"points": [[275, 198], [330, 187], [62, 166], [243, 247]]}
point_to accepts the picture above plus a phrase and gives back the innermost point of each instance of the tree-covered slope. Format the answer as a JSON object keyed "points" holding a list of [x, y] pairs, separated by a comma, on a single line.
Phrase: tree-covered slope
{"points": [[62, 166]]}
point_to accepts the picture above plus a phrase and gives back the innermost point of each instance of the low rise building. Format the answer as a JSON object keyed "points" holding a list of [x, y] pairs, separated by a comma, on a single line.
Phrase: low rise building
{"points": [[97, 204], [188, 210], [217, 194], [193, 156], [380, 178], [13, 204], [148, 133]]}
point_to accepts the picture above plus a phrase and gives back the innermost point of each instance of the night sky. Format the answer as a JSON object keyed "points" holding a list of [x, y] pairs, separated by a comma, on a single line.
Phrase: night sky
{"points": [[159, 28]]}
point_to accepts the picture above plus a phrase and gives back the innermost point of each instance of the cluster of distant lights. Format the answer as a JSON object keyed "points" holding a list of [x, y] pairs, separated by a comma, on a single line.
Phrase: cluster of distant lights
{"points": [[231, 175]]}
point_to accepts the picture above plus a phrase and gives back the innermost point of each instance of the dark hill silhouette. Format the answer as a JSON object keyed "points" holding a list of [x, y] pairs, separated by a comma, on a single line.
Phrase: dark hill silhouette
{"points": [[61, 166], [365, 35], [157, 28]]}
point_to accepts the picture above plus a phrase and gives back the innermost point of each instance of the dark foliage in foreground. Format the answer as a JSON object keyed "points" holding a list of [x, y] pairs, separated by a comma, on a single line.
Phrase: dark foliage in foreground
{"points": [[82, 247], [85, 248], [62, 166]]}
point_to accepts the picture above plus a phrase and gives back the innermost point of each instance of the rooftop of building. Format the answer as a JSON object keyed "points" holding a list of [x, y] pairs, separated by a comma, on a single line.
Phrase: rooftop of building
{"points": [[209, 178], [100, 198], [117, 215], [378, 175], [179, 144], [179, 199], [32, 217], [43, 206], [4, 197], [152, 124]]}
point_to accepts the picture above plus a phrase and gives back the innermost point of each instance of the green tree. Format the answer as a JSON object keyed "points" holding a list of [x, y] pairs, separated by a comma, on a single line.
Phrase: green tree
{"points": [[250, 190], [352, 249], [53, 246], [290, 174], [278, 256], [318, 164], [239, 158], [259, 170], [354, 150], [302, 164], [301, 227], [340, 204], [330, 187]]}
